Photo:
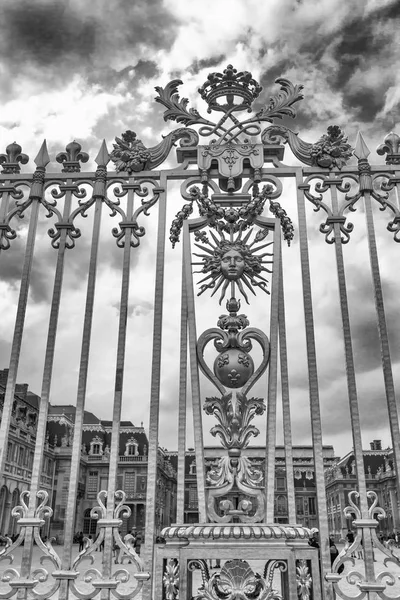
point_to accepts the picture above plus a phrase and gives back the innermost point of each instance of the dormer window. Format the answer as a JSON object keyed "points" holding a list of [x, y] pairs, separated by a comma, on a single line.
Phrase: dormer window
{"points": [[96, 446], [131, 447]]}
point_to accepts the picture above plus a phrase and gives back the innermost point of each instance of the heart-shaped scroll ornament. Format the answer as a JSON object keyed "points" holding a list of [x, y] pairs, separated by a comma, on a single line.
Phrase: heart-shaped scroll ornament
{"points": [[232, 476], [233, 366]]}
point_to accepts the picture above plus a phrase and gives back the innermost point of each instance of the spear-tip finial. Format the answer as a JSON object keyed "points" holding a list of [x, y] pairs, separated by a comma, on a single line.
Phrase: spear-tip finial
{"points": [[103, 158], [361, 151], [43, 158]]}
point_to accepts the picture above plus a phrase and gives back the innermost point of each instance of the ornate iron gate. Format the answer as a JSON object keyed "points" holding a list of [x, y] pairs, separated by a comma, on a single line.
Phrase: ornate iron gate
{"points": [[232, 228]]}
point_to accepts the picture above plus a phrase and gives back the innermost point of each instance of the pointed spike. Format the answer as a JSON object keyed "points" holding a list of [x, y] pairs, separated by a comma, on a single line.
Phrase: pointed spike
{"points": [[43, 158], [361, 151], [103, 158], [247, 236]]}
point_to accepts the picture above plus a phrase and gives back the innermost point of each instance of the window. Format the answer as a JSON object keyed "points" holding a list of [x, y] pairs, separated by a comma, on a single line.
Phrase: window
{"points": [[130, 478], [131, 447], [281, 504], [299, 506], [89, 524], [9, 451], [92, 485], [280, 483], [312, 506], [96, 446], [193, 496], [21, 452]]}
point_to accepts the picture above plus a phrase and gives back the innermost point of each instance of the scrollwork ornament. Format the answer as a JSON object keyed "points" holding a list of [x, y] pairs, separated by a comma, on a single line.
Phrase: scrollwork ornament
{"points": [[235, 580], [131, 225], [131, 155], [39, 575], [331, 151], [322, 185], [127, 552]]}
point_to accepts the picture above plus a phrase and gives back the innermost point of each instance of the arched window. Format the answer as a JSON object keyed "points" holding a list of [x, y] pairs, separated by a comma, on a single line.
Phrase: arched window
{"points": [[281, 505], [89, 524], [131, 447], [96, 446]]}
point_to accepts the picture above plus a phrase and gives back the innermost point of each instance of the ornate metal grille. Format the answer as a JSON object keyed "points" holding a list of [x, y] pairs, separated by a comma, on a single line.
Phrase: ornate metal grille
{"points": [[232, 228]]}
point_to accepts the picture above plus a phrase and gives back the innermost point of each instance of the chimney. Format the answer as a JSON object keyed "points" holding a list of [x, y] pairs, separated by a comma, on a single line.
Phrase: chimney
{"points": [[376, 445], [21, 389]]}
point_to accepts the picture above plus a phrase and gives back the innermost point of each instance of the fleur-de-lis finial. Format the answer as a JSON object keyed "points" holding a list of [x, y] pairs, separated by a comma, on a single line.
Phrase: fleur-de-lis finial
{"points": [[390, 147], [12, 157], [72, 157]]}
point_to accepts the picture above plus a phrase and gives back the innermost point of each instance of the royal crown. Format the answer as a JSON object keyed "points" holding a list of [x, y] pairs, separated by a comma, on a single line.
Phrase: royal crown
{"points": [[230, 84]]}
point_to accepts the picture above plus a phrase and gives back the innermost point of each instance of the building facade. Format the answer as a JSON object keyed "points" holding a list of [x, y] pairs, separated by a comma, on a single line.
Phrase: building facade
{"points": [[340, 475], [380, 477]]}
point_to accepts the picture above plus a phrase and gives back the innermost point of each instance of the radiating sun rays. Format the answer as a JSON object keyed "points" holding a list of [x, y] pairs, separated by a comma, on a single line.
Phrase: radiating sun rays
{"points": [[234, 262]]}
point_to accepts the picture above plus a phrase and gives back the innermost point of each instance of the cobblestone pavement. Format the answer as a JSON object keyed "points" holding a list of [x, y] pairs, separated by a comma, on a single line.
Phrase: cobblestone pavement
{"points": [[349, 589]]}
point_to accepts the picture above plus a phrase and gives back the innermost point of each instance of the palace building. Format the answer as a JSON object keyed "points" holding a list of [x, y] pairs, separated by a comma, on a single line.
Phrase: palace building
{"points": [[132, 473]]}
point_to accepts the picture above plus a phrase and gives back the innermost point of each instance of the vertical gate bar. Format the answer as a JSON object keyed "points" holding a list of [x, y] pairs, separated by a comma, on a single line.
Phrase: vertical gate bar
{"points": [[154, 415], [349, 358], [36, 195], [194, 376], [180, 509], [287, 421], [99, 193], [351, 380], [272, 379], [383, 336], [27, 550], [315, 412], [118, 387]]}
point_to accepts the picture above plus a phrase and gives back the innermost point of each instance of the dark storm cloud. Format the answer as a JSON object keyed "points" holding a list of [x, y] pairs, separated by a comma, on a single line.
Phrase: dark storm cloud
{"points": [[359, 48], [205, 63], [46, 34], [61, 40]]}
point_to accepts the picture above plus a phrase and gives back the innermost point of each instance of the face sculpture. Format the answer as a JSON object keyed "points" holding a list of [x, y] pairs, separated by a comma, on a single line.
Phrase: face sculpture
{"points": [[232, 265]]}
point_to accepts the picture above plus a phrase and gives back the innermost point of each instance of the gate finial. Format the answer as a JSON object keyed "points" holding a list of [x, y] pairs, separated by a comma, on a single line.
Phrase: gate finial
{"points": [[361, 151], [42, 159], [103, 157]]}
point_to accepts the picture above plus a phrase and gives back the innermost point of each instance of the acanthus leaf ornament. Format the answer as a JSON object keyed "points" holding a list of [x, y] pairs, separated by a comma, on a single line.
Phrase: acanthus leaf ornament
{"points": [[177, 107], [281, 105]]}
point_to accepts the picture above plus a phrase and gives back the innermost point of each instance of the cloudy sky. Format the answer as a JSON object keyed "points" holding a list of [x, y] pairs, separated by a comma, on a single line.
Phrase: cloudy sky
{"points": [[87, 71]]}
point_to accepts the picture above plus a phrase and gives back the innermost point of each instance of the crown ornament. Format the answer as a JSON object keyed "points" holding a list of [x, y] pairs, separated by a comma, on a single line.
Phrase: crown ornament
{"points": [[238, 88]]}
